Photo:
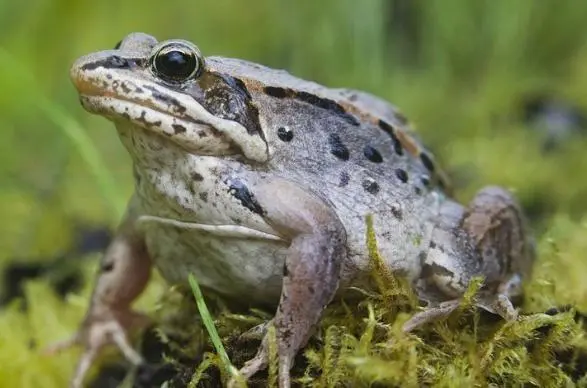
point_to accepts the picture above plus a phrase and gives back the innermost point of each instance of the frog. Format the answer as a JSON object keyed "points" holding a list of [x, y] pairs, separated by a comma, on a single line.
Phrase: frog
{"points": [[258, 183]]}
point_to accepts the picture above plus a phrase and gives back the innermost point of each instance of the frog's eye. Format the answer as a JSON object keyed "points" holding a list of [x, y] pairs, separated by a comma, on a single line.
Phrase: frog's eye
{"points": [[177, 62]]}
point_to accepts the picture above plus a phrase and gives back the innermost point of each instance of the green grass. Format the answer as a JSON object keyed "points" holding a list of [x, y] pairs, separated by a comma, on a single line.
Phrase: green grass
{"points": [[458, 69]]}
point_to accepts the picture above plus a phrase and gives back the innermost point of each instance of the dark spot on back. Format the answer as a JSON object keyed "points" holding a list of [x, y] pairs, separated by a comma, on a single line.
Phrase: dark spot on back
{"points": [[178, 128], [427, 161], [328, 105], [402, 175], [204, 196], [312, 99], [370, 186], [197, 177], [425, 180], [372, 154], [285, 134], [344, 179], [337, 148], [275, 92], [397, 145]]}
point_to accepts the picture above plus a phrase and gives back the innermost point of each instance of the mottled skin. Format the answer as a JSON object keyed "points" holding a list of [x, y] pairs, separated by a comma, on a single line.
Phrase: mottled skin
{"points": [[259, 183]]}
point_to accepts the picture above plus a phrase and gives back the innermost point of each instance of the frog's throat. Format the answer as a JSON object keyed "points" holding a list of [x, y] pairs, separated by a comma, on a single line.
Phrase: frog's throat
{"points": [[237, 231]]}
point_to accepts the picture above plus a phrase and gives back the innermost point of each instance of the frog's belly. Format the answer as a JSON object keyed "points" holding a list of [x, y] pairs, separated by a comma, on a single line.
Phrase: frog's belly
{"points": [[240, 268]]}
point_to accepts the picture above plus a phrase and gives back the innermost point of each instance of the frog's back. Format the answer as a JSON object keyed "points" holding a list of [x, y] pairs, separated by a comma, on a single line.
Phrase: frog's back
{"points": [[355, 151]]}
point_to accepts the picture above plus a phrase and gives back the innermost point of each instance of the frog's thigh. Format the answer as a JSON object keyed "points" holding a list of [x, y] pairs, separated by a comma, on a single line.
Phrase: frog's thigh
{"points": [[312, 266], [496, 230]]}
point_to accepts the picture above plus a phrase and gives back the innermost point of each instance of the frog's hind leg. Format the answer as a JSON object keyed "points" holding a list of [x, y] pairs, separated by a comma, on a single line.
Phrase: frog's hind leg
{"points": [[317, 247], [488, 239], [499, 233], [431, 314]]}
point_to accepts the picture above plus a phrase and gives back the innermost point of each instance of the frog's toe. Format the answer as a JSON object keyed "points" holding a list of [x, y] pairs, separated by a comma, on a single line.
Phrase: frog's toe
{"points": [[97, 333], [251, 367], [499, 304], [431, 314], [259, 363]]}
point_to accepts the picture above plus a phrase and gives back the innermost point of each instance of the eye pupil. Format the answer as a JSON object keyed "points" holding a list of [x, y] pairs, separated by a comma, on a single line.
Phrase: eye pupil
{"points": [[175, 64]]}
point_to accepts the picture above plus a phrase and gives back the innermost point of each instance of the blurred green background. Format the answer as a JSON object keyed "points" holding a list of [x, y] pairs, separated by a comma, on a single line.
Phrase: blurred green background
{"points": [[495, 88]]}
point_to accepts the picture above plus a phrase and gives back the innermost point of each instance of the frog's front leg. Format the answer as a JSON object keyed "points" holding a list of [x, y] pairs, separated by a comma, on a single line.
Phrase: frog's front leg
{"points": [[311, 271], [123, 274], [490, 239]]}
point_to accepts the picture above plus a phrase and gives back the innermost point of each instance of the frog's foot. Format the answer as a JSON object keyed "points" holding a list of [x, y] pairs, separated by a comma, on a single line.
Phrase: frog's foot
{"points": [[310, 273], [261, 359], [498, 304], [97, 332]]}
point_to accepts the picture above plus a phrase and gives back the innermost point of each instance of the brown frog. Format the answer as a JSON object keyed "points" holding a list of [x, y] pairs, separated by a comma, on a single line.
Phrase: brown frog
{"points": [[258, 183]]}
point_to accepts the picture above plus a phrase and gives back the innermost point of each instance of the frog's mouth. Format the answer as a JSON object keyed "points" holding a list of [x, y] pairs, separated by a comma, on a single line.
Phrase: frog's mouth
{"points": [[121, 94]]}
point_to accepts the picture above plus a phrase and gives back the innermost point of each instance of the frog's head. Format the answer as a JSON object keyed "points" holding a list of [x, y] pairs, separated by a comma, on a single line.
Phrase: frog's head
{"points": [[165, 88]]}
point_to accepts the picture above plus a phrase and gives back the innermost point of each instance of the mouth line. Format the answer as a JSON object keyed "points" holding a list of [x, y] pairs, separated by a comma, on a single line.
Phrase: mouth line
{"points": [[91, 90], [141, 104]]}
